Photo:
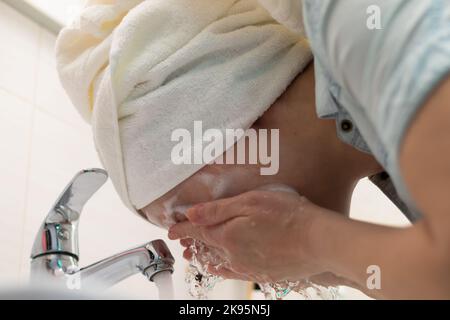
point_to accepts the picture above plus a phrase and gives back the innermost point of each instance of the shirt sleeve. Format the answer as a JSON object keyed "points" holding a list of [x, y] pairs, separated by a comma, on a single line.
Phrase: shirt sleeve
{"points": [[386, 55]]}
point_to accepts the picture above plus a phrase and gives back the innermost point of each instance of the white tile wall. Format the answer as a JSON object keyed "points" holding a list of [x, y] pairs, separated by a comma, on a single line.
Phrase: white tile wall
{"points": [[18, 54], [60, 10], [371, 205], [13, 180], [44, 143]]}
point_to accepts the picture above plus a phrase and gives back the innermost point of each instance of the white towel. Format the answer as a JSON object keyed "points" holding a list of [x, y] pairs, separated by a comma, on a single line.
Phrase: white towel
{"points": [[137, 70], [287, 12]]}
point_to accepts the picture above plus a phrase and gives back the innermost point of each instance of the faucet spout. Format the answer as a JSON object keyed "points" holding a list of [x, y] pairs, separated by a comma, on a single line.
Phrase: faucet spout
{"points": [[149, 259]]}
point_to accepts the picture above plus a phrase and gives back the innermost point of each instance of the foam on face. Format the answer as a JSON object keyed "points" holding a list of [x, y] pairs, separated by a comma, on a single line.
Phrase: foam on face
{"points": [[217, 185], [168, 219], [277, 187]]}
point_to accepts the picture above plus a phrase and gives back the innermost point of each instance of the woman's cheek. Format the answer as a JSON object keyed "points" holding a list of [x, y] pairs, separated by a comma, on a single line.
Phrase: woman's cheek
{"points": [[155, 214], [207, 185]]}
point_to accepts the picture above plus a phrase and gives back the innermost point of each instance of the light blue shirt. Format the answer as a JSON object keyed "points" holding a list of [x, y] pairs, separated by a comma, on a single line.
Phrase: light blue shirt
{"points": [[373, 81]]}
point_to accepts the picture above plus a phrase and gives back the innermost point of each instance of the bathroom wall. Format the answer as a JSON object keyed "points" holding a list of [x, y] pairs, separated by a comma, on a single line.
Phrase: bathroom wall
{"points": [[60, 10], [44, 143]]}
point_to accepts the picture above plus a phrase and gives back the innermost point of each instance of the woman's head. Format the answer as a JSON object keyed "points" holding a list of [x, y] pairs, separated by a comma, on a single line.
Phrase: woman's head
{"points": [[139, 70], [311, 161]]}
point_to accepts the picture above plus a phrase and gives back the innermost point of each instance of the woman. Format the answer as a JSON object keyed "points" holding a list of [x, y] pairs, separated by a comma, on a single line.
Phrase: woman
{"points": [[393, 84], [313, 161]]}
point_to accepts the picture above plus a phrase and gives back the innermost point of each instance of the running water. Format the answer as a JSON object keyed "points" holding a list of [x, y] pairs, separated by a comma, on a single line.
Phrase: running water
{"points": [[201, 282], [305, 288], [163, 282]]}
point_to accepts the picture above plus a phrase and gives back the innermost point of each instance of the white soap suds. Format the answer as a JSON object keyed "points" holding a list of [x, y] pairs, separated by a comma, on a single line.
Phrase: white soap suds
{"points": [[169, 205], [217, 184], [277, 187]]}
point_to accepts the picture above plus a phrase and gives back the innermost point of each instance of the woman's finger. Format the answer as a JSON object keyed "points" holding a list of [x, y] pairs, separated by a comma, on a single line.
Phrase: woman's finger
{"points": [[187, 242], [217, 212], [187, 254], [186, 230]]}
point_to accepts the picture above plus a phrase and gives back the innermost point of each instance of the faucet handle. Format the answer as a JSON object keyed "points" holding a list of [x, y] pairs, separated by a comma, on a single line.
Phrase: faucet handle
{"points": [[77, 193], [59, 231]]}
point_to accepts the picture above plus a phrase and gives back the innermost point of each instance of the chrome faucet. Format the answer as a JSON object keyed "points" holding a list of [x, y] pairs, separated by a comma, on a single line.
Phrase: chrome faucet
{"points": [[55, 253]]}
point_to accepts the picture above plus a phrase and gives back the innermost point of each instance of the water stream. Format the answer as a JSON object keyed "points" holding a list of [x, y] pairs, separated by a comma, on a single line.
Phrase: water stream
{"points": [[164, 283]]}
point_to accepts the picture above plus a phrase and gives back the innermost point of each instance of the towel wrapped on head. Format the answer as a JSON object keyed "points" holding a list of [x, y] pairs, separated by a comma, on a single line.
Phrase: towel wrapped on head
{"points": [[137, 70]]}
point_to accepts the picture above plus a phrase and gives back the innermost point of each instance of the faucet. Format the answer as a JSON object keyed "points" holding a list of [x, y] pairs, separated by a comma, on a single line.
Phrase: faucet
{"points": [[55, 253]]}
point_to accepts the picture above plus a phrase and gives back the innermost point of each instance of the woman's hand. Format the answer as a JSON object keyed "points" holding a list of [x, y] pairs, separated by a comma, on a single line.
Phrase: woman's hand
{"points": [[263, 236]]}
